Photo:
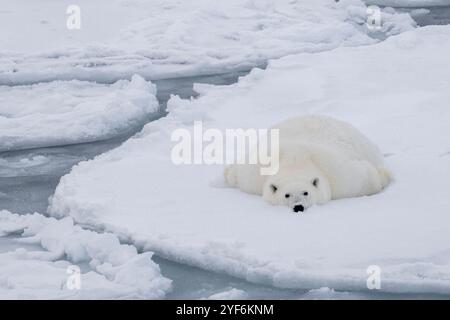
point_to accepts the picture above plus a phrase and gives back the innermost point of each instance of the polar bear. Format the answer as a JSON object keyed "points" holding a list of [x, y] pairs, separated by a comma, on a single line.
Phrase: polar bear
{"points": [[320, 159]]}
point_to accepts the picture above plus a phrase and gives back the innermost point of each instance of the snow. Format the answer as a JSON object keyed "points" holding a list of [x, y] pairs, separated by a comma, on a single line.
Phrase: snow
{"points": [[65, 112], [325, 293], [118, 271], [419, 12], [409, 3], [169, 39], [394, 91], [231, 294], [41, 25]]}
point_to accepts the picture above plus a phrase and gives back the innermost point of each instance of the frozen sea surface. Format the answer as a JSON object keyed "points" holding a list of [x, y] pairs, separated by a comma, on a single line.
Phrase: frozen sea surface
{"points": [[29, 177], [68, 112], [167, 38], [194, 283], [50, 253]]}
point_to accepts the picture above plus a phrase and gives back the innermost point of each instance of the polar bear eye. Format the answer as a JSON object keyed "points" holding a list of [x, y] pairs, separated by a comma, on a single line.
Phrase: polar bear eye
{"points": [[274, 188], [305, 193], [287, 195]]}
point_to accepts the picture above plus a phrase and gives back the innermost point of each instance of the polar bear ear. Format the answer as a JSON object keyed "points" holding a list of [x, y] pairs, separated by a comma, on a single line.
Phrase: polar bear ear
{"points": [[274, 188], [315, 182]]}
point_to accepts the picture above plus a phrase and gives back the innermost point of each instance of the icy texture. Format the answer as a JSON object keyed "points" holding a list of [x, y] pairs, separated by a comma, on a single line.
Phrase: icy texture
{"points": [[181, 38], [232, 294], [410, 3], [325, 293], [395, 92], [65, 112], [120, 272], [32, 26]]}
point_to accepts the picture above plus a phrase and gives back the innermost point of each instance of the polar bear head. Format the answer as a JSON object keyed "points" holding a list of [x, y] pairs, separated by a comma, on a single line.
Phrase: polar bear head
{"points": [[297, 190]]}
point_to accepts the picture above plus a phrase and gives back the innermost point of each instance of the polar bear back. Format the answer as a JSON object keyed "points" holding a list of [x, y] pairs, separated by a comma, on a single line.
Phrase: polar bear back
{"points": [[329, 133]]}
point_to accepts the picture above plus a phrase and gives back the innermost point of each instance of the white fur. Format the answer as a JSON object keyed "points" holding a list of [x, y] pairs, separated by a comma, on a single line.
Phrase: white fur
{"points": [[340, 159]]}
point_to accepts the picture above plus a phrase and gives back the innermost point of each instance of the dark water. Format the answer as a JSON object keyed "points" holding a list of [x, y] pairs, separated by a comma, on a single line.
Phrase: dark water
{"points": [[195, 283]]}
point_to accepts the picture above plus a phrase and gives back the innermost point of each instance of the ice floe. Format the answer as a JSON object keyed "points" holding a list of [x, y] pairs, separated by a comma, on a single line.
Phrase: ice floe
{"points": [[114, 270], [396, 92], [231, 294], [67, 112], [410, 3], [185, 38]]}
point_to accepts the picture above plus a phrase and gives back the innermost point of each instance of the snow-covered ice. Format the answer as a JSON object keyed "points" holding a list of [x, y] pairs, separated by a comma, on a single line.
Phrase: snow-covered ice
{"points": [[60, 87], [395, 91], [231, 294], [325, 293], [181, 38], [65, 112], [34, 26], [409, 3], [116, 270]]}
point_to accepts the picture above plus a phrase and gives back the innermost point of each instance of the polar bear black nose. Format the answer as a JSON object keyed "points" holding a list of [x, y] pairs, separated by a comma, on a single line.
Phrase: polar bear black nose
{"points": [[298, 208]]}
